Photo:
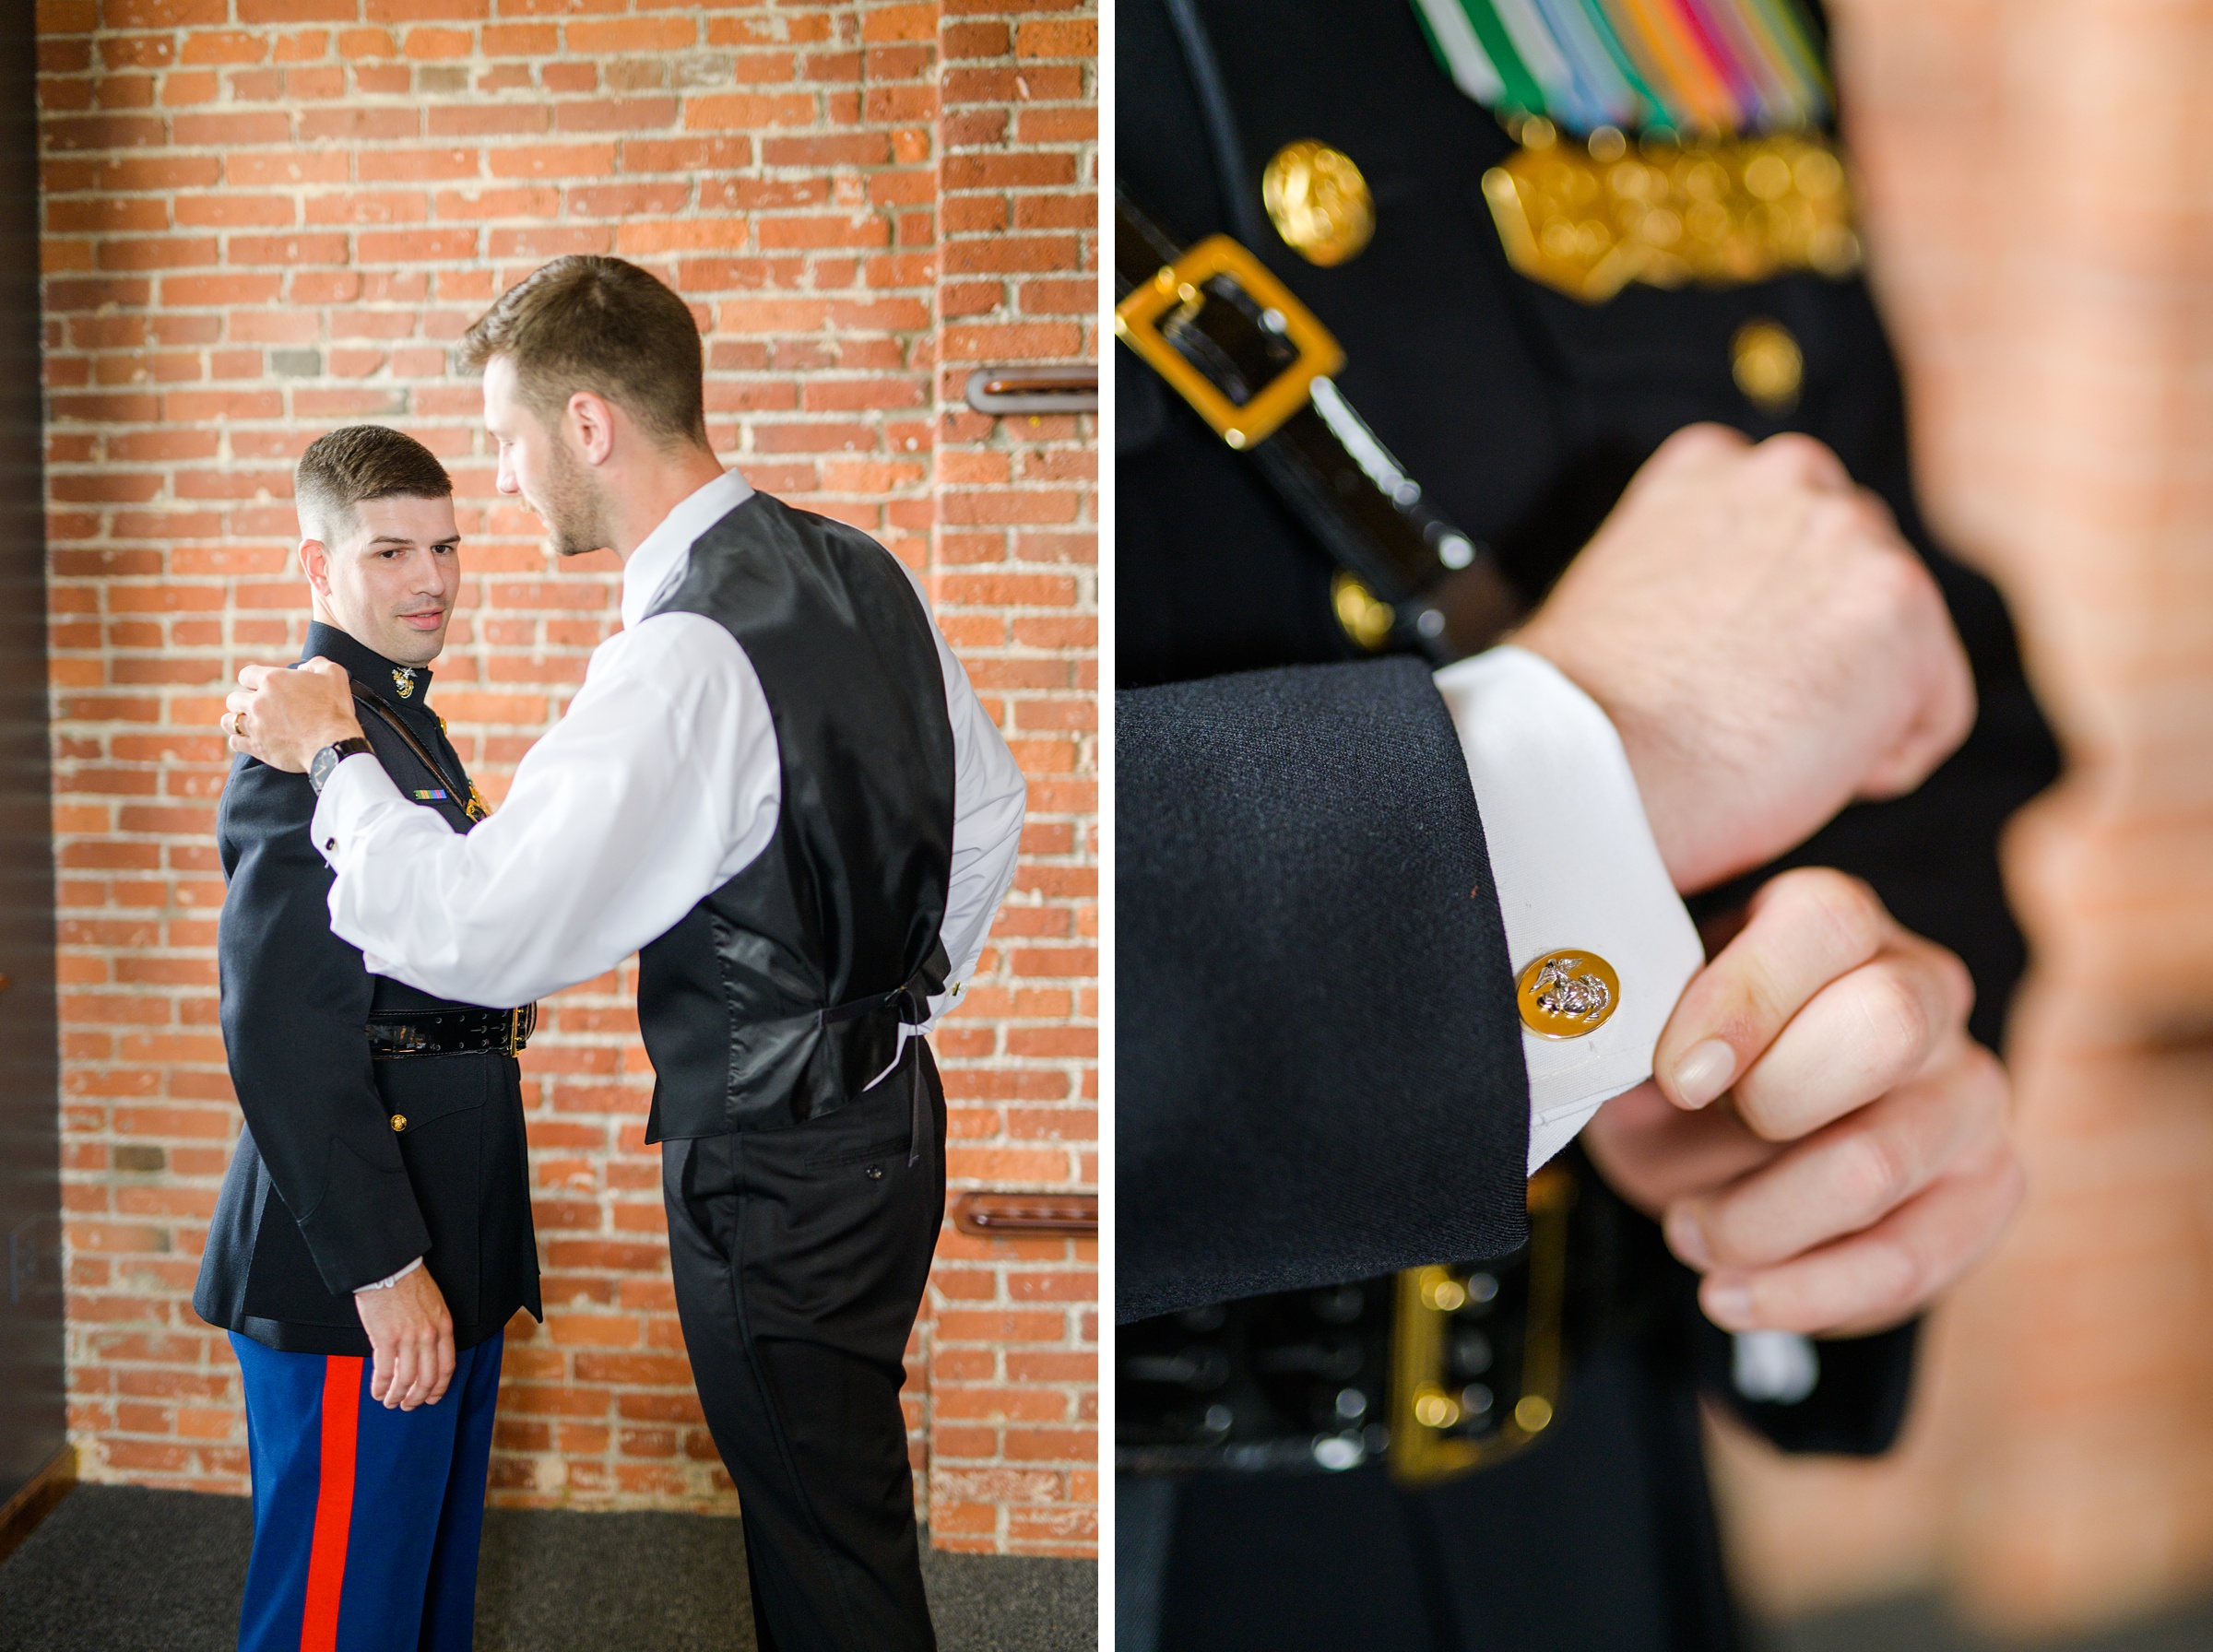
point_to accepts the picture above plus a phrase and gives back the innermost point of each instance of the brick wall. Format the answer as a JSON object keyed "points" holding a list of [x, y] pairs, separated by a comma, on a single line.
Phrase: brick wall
{"points": [[1014, 1435], [2040, 207], [264, 218]]}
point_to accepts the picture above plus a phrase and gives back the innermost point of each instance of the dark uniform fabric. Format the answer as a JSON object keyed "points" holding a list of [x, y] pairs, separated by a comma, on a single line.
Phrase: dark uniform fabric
{"points": [[1522, 413], [1248, 1162], [324, 1196], [806, 1185]]}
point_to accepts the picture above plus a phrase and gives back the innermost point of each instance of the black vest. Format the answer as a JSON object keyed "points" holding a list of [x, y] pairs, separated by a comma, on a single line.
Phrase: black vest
{"points": [[778, 998]]}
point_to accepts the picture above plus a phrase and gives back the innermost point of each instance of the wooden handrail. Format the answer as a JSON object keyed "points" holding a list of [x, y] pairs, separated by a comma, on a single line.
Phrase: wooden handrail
{"points": [[1027, 1215]]}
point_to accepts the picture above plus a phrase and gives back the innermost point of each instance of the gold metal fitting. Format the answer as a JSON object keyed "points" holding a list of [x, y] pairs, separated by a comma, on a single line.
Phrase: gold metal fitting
{"points": [[1137, 322], [399, 1122], [1365, 620], [1319, 202], [1767, 365]]}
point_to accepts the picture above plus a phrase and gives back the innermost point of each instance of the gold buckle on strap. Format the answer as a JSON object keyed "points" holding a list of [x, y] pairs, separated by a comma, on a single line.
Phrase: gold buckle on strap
{"points": [[1427, 1441], [1181, 284]]}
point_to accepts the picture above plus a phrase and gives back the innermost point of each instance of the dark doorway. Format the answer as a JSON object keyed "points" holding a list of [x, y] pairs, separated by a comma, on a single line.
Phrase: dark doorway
{"points": [[31, 1419]]}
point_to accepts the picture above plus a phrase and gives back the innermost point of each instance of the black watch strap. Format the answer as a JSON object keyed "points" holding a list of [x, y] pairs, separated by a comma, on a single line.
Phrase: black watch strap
{"points": [[320, 767]]}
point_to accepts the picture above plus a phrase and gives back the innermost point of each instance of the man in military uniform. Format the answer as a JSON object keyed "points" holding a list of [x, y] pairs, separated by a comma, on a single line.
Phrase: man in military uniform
{"points": [[1505, 254], [373, 1235]]}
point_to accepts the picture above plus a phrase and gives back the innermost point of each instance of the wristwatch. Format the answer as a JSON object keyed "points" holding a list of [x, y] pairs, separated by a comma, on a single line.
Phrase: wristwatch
{"points": [[320, 767]]}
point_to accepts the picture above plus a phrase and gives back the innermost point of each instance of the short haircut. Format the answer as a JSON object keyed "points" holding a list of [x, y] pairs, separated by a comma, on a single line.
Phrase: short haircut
{"points": [[587, 323], [357, 463]]}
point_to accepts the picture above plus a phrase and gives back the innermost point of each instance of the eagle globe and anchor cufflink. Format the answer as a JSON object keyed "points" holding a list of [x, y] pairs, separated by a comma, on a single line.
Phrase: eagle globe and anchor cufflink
{"points": [[1566, 993]]}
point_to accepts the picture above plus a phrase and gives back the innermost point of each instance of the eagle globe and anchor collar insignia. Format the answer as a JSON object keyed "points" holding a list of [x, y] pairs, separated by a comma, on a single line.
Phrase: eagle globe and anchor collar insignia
{"points": [[1660, 141]]}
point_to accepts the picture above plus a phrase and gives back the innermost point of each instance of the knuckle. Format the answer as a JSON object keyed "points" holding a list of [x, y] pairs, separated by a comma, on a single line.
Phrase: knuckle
{"points": [[1796, 454], [1873, 1176], [1898, 1277], [1897, 1018], [1847, 911]]}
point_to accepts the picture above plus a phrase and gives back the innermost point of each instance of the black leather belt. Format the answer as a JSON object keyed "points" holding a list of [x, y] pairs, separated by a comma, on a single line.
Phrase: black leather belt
{"points": [[400, 1034], [1437, 1371], [1251, 360]]}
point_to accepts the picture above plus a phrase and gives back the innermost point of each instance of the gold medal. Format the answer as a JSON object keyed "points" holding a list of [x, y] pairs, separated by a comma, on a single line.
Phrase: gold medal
{"points": [[1319, 202]]}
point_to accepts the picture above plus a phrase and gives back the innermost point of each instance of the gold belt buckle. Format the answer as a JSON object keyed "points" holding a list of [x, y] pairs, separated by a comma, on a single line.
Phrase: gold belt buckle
{"points": [[522, 1021], [1428, 1444], [1181, 285]]}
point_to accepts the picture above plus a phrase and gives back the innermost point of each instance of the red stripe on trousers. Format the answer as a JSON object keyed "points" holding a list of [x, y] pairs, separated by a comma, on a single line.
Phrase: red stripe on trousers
{"points": [[334, 1504]]}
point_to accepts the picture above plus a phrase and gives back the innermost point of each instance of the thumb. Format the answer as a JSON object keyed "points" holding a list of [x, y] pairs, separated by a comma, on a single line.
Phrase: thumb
{"points": [[380, 1376]]}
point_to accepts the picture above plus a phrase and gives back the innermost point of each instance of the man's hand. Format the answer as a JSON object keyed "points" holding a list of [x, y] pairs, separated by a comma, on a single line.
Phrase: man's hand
{"points": [[1861, 1159], [285, 716], [413, 1335], [1766, 644]]}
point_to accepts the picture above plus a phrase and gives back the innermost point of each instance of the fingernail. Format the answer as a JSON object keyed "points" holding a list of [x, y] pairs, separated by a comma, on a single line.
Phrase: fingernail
{"points": [[1704, 1071], [1686, 1237], [1729, 1306]]}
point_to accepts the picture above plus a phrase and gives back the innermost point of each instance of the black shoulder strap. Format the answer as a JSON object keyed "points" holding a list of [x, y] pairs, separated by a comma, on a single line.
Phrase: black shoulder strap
{"points": [[1194, 316], [471, 805]]}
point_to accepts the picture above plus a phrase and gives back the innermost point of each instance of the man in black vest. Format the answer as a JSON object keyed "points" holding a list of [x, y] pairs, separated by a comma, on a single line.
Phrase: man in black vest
{"points": [[1528, 304], [377, 1210], [777, 784]]}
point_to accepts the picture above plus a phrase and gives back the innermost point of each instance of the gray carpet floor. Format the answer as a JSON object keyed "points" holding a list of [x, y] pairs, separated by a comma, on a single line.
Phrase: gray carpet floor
{"points": [[1918, 1625], [121, 1569]]}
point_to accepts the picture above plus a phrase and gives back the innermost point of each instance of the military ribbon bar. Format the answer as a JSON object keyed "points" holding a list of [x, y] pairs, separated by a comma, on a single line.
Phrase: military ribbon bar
{"points": [[1721, 67]]}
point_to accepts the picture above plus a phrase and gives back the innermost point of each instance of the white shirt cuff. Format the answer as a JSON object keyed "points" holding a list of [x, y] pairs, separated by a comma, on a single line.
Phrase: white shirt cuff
{"points": [[1574, 864], [390, 1280], [354, 789]]}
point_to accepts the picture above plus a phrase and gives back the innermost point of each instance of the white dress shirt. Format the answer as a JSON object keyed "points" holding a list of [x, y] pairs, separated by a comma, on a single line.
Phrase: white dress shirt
{"points": [[659, 785], [1575, 865]]}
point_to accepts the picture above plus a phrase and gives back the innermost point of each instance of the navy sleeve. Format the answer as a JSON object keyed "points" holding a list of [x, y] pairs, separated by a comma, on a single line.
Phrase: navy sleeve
{"points": [[1318, 1063], [295, 1006]]}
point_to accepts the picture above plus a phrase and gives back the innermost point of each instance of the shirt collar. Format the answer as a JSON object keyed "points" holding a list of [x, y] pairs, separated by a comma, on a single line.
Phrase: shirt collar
{"points": [[662, 556], [379, 676]]}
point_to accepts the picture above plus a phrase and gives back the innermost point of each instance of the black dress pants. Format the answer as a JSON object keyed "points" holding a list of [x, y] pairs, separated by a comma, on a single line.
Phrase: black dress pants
{"points": [[801, 1256]]}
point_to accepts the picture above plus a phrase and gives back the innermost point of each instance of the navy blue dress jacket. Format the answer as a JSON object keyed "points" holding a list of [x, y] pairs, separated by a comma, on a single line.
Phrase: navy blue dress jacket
{"points": [[348, 1169]]}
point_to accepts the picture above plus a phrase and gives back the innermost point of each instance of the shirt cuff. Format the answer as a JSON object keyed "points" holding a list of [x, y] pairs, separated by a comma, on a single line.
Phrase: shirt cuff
{"points": [[353, 791], [1574, 865], [389, 1279]]}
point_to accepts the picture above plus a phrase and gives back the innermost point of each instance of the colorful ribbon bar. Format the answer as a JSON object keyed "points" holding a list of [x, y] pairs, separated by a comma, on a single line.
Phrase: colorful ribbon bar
{"points": [[1724, 67]]}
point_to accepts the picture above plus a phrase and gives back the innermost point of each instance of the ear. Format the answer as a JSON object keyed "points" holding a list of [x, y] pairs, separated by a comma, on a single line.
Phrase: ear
{"points": [[590, 421], [314, 563]]}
